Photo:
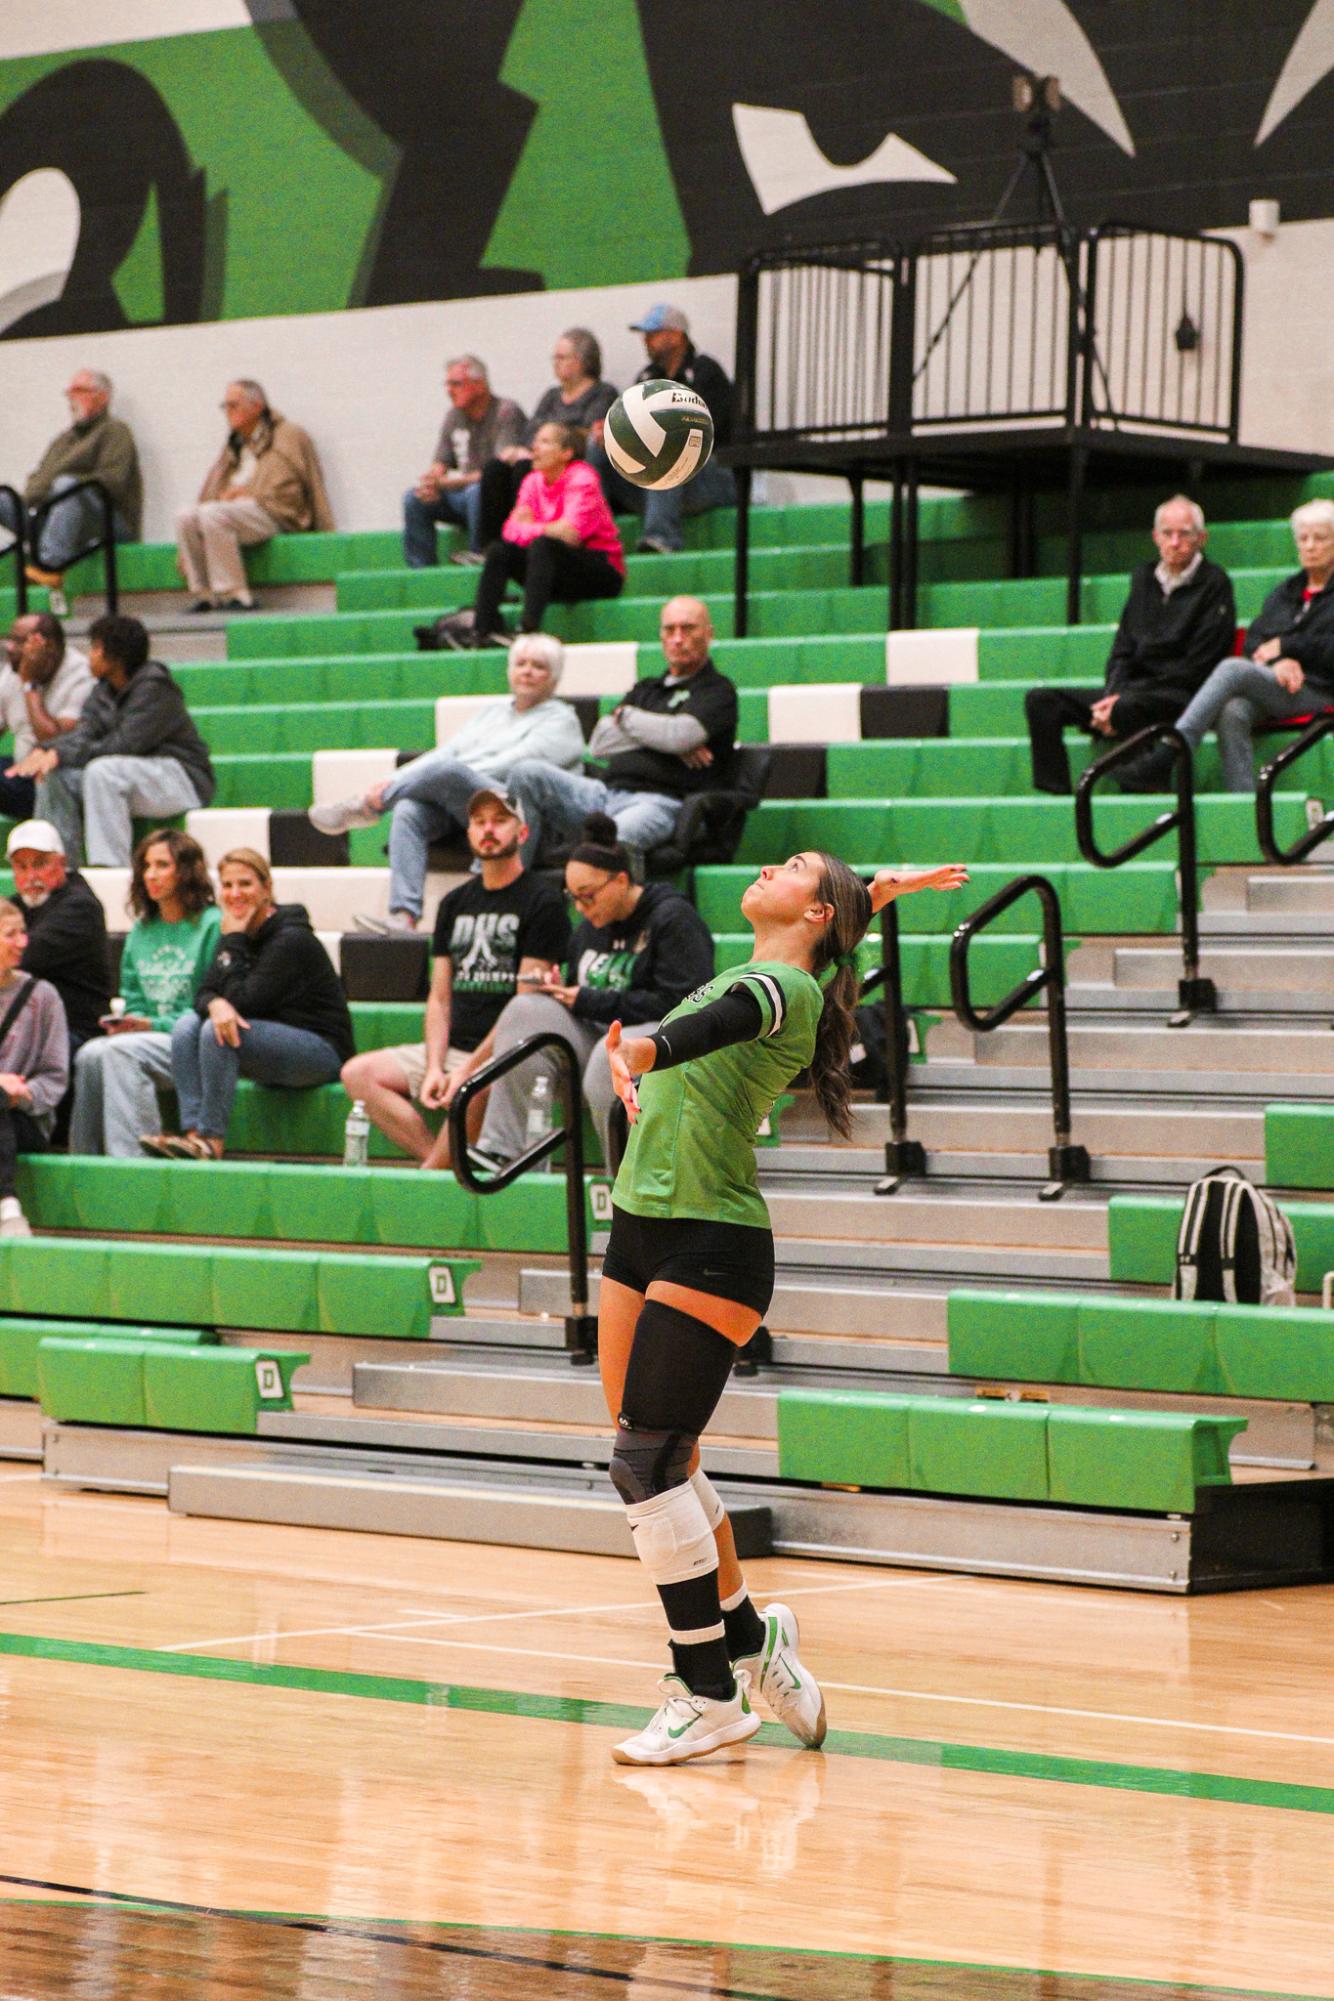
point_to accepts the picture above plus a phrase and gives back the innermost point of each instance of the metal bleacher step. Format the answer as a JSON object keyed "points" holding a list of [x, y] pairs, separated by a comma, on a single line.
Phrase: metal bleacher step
{"points": [[1157, 996], [509, 1388], [1120, 1171], [979, 1121], [1253, 1045], [1145, 1083], [1306, 889], [952, 1213], [1261, 967]]}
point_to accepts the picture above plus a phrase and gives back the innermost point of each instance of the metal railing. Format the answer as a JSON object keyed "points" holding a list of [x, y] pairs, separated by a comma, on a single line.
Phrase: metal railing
{"points": [[905, 1159], [1067, 1163], [105, 544], [580, 1325], [1194, 994], [18, 548], [1321, 829]]}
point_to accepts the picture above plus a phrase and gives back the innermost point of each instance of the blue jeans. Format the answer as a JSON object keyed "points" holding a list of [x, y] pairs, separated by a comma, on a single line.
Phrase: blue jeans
{"points": [[664, 512], [205, 1071], [429, 798], [462, 509], [556, 803], [1238, 695], [69, 528]]}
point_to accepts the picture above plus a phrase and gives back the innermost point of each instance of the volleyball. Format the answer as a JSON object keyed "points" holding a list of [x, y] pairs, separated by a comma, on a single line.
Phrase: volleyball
{"points": [[658, 434]]}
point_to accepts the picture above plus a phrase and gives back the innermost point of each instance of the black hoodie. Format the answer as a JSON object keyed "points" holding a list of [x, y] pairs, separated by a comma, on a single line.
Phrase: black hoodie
{"points": [[638, 969], [67, 945], [281, 973], [146, 718]]}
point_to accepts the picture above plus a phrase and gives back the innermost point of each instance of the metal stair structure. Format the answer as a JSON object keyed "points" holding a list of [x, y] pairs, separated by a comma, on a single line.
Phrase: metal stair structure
{"points": [[490, 1434]]}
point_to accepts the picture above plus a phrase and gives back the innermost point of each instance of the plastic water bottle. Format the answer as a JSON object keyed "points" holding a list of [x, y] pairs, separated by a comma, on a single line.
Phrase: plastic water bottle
{"points": [[356, 1137], [541, 1106]]}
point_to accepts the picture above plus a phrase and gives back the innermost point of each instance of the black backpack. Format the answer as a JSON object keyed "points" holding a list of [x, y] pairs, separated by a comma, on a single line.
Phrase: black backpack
{"points": [[1235, 1244]]}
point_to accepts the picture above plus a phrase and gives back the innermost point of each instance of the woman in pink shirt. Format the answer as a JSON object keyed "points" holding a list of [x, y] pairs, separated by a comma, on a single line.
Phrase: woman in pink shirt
{"points": [[559, 542]]}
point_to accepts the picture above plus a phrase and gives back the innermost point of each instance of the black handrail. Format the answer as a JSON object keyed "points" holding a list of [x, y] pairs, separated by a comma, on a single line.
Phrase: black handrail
{"points": [[105, 545], [1194, 995], [1066, 1162], [18, 548], [1323, 726], [580, 1324], [904, 1158]]}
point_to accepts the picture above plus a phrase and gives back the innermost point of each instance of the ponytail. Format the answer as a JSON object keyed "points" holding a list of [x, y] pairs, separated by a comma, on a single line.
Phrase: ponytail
{"points": [[836, 954]]}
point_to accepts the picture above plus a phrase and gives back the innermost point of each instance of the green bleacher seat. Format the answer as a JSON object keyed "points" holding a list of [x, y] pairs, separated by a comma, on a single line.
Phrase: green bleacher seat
{"points": [[1299, 1146], [20, 1338], [163, 1386], [1175, 1347], [1142, 1235], [1140, 1461]]}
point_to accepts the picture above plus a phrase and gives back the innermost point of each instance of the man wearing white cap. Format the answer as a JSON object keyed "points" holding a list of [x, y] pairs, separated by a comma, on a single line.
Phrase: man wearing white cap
{"points": [[67, 932], [672, 357]]}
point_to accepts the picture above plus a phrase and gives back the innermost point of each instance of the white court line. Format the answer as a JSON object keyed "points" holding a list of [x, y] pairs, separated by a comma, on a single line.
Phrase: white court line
{"points": [[7, 1479], [395, 1625]]}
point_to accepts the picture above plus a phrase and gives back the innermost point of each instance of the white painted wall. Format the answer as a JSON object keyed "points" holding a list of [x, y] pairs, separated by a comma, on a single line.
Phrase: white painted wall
{"points": [[367, 385]]}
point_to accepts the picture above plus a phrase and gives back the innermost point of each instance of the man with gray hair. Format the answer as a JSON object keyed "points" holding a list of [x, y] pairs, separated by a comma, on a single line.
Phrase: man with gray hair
{"points": [[1285, 668], [1179, 617], [477, 427], [95, 446], [429, 798], [266, 481]]}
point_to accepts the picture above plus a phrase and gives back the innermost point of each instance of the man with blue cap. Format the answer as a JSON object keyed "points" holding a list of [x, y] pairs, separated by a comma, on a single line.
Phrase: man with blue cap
{"points": [[672, 357]]}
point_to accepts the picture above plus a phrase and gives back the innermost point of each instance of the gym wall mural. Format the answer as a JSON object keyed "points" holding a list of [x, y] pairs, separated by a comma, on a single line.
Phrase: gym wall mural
{"points": [[329, 153]]}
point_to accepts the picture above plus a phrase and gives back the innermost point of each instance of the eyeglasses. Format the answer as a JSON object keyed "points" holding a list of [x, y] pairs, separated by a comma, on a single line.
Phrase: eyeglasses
{"points": [[584, 899]]}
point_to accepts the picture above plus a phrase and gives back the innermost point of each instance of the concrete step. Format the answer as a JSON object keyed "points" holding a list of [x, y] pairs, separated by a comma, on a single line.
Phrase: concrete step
{"points": [[1222, 1048]]}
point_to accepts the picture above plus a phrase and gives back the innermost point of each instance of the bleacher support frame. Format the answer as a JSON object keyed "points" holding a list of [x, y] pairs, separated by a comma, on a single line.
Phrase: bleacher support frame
{"points": [[905, 1159], [28, 537], [18, 548], [998, 357], [1194, 994], [1314, 733], [1067, 1163]]}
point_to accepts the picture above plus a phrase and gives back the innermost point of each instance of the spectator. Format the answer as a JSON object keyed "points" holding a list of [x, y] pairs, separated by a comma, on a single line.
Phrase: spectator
{"points": [[34, 1064], [67, 932], [639, 950], [95, 446], [1286, 668], [496, 929], [672, 357], [266, 481], [170, 947], [477, 429], [133, 750], [270, 1007], [577, 396], [43, 688], [559, 541], [1178, 618], [670, 737], [431, 797]]}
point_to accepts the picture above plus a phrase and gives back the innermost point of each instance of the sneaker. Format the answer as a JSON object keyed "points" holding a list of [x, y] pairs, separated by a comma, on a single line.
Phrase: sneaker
{"points": [[649, 545], [398, 924], [16, 1225], [468, 559], [343, 815], [787, 1689], [200, 608], [690, 1726], [483, 640], [238, 604]]}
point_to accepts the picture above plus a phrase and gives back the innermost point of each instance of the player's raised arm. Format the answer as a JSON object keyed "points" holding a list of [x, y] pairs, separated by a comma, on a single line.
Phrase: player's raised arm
{"points": [[889, 883]]}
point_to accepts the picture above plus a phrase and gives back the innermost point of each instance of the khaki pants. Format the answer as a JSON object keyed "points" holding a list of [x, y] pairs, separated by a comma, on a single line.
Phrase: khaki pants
{"points": [[210, 538]]}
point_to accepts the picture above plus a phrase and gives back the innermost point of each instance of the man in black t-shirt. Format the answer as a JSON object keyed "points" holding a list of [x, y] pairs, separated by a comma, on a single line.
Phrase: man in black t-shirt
{"points": [[671, 736], [497, 927]]}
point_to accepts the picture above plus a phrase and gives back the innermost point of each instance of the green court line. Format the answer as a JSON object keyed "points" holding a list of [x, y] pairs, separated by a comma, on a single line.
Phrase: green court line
{"points": [[943, 1756]]}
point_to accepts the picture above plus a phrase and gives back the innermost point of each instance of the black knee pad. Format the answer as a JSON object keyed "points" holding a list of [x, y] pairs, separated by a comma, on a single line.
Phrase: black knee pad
{"points": [[648, 1463]]}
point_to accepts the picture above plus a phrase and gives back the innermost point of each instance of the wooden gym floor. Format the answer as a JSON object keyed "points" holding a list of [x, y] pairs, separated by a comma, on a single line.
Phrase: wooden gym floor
{"points": [[268, 1762]]}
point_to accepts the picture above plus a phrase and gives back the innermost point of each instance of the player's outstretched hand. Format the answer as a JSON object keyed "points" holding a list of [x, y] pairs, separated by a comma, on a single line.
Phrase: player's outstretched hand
{"points": [[891, 882], [628, 1059]]}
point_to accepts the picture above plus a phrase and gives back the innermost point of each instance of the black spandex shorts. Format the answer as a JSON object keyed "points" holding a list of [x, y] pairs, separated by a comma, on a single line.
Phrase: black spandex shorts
{"points": [[730, 1260]]}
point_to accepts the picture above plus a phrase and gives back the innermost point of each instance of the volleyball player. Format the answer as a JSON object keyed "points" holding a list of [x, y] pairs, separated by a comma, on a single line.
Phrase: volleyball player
{"points": [[689, 1273]]}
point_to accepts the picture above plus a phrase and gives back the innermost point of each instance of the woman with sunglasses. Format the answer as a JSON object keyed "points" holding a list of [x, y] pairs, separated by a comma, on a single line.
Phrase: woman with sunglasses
{"points": [[638, 950]]}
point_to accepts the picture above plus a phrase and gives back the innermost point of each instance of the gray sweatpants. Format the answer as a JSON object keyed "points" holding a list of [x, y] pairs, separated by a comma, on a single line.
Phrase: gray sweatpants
{"points": [[115, 1094], [504, 1131]]}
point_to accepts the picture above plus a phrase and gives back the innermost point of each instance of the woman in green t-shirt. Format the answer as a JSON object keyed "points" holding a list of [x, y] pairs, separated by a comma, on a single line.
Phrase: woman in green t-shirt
{"points": [[169, 949], [689, 1269]]}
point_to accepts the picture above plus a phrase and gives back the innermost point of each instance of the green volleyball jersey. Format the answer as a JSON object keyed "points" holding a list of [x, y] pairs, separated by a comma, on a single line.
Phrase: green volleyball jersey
{"points": [[692, 1149]]}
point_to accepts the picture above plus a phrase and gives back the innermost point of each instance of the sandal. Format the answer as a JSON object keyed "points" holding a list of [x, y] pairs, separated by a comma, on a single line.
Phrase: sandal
{"points": [[166, 1146], [192, 1147]]}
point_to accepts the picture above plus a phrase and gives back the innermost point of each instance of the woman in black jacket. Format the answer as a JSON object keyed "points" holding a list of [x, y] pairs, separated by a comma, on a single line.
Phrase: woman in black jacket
{"points": [[640, 949], [270, 1007]]}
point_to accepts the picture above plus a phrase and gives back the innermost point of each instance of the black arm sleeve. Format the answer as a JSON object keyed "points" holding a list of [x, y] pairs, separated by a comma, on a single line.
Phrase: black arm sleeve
{"points": [[737, 1017]]}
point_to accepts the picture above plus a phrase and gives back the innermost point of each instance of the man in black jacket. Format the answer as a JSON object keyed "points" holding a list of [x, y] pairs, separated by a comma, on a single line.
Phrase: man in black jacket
{"points": [[1179, 619], [672, 357], [671, 736], [133, 751], [1285, 670], [67, 937]]}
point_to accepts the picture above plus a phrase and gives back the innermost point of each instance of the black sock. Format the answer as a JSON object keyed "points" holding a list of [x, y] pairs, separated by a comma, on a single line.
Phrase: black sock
{"points": [[705, 1668], [744, 1627]]}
